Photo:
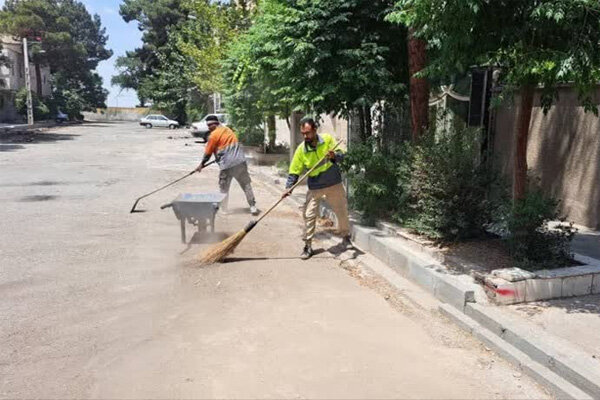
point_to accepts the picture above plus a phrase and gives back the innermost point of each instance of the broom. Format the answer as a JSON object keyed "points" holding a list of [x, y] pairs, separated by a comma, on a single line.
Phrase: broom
{"points": [[218, 252], [133, 210]]}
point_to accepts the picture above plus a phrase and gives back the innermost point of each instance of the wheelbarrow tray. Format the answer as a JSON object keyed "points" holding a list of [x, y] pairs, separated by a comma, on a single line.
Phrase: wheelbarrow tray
{"points": [[197, 208]]}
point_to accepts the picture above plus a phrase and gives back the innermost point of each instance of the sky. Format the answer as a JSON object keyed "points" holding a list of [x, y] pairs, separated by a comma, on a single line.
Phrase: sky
{"points": [[121, 37]]}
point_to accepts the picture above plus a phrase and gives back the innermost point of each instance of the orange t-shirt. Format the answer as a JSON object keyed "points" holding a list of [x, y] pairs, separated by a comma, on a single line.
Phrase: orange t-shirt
{"points": [[224, 144]]}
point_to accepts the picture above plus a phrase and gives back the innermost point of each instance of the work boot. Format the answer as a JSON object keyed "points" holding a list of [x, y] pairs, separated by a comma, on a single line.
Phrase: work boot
{"points": [[254, 210], [307, 253], [347, 243]]}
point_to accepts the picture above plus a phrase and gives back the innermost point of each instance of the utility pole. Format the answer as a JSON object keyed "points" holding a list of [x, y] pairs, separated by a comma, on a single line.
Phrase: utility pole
{"points": [[28, 83]]}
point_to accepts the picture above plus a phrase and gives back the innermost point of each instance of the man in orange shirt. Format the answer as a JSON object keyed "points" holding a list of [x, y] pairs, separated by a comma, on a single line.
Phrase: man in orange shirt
{"points": [[230, 156]]}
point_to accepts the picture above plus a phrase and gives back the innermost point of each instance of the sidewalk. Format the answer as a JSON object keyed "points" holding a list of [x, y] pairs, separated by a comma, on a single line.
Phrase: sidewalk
{"points": [[555, 341], [587, 243], [575, 319]]}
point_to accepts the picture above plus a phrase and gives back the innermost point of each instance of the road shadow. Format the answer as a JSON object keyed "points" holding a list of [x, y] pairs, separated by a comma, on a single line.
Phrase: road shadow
{"points": [[90, 123], [317, 256], [32, 199], [14, 141], [349, 253], [587, 244], [204, 238], [573, 305], [10, 147]]}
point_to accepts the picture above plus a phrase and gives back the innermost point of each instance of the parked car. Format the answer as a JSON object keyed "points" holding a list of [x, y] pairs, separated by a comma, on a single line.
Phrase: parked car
{"points": [[200, 128], [61, 117], [157, 120]]}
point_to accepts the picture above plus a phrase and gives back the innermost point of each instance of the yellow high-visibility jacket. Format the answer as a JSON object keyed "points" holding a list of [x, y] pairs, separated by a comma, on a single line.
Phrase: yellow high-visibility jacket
{"points": [[306, 157]]}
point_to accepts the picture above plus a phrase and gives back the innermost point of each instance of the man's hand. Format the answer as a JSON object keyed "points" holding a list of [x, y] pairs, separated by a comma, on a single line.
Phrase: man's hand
{"points": [[199, 169], [331, 155], [287, 193]]}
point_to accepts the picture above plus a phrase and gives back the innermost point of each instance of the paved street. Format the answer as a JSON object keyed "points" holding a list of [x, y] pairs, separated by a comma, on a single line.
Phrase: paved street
{"points": [[99, 303]]}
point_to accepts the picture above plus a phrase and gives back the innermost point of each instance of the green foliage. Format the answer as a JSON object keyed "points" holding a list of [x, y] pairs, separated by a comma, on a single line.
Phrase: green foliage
{"points": [[533, 42], [448, 187], [40, 109], [375, 186], [251, 137], [73, 43], [533, 244], [435, 187], [326, 58]]}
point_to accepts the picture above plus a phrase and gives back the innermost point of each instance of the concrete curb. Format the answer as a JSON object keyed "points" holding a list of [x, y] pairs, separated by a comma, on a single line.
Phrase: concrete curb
{"points": [[556, 354], [420, 268], [560, 387], [567, 371], [467, 298]]}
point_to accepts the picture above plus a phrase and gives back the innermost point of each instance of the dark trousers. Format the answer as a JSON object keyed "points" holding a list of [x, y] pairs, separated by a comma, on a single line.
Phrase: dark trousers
{"points": [[241, 175]]}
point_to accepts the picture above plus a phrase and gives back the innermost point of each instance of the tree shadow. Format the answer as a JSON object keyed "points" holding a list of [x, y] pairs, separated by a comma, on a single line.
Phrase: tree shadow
{"points": [[10, 147], [587, 244], [573, 305], [317, 256], [9, 139]]}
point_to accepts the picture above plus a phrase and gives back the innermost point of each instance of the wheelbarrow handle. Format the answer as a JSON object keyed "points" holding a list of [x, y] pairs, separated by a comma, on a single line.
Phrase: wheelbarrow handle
{"points": [[166, 206]]}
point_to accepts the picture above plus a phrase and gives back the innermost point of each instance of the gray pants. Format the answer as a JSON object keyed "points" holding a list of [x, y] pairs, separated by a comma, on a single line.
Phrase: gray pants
{"points": [[240, 173]]}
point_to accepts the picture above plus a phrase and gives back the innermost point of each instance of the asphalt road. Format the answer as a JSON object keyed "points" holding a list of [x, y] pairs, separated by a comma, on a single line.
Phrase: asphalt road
{"points": [[100, 303]]}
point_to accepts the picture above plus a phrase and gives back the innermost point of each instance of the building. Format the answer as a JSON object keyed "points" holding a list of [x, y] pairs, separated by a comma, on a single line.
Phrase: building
{"points": [[12, 78]]}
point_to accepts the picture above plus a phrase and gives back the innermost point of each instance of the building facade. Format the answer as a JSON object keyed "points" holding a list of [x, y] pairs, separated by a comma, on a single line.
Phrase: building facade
{"points": [[12, 78]]}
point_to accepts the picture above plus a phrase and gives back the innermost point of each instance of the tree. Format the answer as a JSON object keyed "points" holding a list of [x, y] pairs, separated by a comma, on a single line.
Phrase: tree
{"points": [[335, 59], [140, 69], [533, 43], [73, 44], [419, 86], [131, 72]]}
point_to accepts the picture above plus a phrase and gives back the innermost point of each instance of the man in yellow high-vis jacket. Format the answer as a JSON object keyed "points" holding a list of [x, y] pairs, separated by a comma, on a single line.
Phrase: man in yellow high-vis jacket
{"points": [[324, 183]]}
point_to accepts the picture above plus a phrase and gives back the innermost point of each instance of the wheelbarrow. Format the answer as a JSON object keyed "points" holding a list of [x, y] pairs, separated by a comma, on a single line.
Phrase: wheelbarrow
{"points": [[198, 209]]}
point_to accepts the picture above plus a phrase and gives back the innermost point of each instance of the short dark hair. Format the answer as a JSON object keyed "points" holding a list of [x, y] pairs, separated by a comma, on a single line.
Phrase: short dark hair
{"points": [[310, 121], [212, 118]]}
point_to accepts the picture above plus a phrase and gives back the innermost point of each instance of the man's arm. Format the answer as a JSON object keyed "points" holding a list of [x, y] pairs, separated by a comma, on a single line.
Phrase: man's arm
{"points": [[296, 168], [210, 148]]}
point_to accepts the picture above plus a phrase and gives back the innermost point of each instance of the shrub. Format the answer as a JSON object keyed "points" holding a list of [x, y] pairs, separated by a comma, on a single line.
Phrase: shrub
{"points": [[532, 243], [373, 176], [40, 109], [447, 186], [251, 137]]}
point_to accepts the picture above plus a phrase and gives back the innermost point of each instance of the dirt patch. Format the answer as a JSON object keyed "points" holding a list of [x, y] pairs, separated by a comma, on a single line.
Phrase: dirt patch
{"points": [[488, 254]]}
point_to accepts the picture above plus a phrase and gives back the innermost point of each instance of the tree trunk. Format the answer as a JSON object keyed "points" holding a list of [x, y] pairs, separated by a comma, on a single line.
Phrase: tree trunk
{"points": [[522, 133], [368, 122], [38, 79], [271, 130], [419, 87]]}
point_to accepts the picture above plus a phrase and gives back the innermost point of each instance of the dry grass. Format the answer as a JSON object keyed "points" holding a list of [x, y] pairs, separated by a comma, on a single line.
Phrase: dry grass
{"points": [[218, 252]]}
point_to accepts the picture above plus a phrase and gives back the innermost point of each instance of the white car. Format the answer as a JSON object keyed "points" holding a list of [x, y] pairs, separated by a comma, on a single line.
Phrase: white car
{"points": [[200, 128], [157, 120]]}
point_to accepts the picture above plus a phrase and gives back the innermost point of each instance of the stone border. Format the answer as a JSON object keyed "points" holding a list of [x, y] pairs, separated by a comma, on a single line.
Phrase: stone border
{"points": [[466, 297], [566, 370]]}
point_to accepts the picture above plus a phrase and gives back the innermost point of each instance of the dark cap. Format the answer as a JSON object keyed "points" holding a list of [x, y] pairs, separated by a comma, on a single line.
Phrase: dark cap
{"points": [[212, 119]]}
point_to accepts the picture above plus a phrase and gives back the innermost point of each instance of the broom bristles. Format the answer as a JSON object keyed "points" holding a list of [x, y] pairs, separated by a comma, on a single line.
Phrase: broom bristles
{"points": [[218, 252]]}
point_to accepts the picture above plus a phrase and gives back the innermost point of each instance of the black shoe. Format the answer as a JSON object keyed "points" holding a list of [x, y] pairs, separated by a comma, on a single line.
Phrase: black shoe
{"points": [[307, 253], [347, 243]]}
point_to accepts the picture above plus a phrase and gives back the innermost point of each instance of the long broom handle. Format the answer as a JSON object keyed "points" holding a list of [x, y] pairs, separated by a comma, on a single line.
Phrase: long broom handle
{"points": [[317, 165], [166, 186]]}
